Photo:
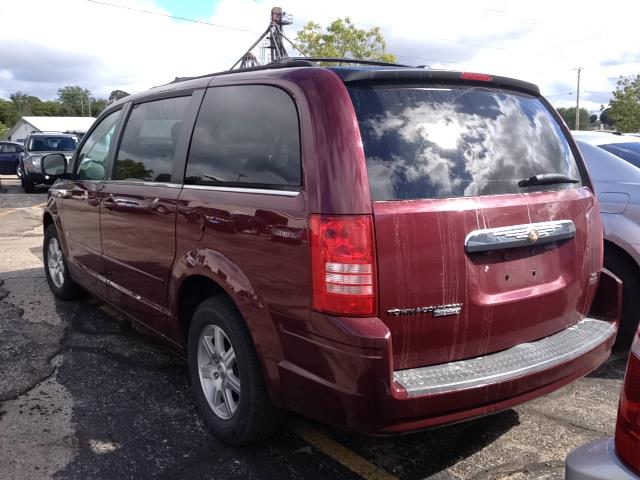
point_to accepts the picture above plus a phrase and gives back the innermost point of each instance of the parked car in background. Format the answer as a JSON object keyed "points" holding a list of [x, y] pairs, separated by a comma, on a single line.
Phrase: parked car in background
{"points": [[614, 165], [615, 458], [9, 158], [37, 145], [414, 262]]}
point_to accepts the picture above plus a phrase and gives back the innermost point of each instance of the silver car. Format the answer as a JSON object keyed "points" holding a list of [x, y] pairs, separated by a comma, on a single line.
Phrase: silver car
{"points": [[615, 458], [614, 164]]}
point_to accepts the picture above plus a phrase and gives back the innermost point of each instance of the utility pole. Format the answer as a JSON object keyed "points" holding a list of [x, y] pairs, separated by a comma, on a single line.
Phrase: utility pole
{"points": [[578, 100]]}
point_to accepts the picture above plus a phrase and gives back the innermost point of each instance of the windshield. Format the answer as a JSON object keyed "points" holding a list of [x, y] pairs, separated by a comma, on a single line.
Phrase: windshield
{"points": [[457, 141], [627, 151], [43, 143]]}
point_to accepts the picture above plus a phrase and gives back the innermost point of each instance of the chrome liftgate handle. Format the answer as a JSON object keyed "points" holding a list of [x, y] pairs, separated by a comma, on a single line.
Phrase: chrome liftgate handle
{"points": [[519, 236]]}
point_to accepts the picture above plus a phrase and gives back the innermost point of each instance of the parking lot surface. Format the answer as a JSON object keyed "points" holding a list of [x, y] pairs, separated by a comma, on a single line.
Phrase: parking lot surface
{"points": [[83, 395]]}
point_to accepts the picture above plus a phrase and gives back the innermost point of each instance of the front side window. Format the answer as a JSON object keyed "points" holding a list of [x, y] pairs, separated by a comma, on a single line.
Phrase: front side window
{"points": [[246, 136], [424, 141], [42, 143], [149, 140], [93, 155]]}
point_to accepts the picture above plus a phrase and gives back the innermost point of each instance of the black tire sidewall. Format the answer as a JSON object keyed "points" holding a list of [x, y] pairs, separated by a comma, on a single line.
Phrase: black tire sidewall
{"points": [[628, 273], [69, 288], [28, 185], [215, 311]]}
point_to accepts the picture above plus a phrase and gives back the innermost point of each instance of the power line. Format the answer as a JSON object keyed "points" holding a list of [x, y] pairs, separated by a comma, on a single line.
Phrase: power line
{"points": [[175, 17]]}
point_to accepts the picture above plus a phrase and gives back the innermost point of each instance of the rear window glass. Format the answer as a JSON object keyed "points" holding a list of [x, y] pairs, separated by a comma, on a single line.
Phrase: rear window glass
{"points": [[41, 143], [627, 151], [455, 141]]}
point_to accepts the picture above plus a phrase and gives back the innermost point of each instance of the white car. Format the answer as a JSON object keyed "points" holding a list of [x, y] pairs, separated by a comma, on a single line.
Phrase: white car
{"points": [[613, 161]]}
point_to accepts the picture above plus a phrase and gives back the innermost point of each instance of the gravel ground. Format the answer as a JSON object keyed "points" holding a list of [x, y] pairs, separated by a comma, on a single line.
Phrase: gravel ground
{"points": [[85, 396]]}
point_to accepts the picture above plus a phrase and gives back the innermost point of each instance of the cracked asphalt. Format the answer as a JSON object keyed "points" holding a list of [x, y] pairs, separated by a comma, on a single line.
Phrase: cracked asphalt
{"points": [[83, 395]]}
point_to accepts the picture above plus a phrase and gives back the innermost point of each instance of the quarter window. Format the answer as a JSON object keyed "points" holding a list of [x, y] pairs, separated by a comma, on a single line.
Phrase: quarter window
{"points": [[149, 140], [93, 155], [246, 136]]}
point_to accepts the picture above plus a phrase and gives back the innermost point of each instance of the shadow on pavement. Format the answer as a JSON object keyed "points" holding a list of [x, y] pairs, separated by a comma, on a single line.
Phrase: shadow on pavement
{"points": [[134, 417]]}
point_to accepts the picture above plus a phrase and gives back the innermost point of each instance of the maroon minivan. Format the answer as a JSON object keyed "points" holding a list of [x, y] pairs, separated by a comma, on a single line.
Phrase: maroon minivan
{"points": [[377, 247]]}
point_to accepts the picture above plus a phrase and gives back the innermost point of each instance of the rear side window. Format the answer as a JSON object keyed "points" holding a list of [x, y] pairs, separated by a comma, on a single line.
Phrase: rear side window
{"points": [[457, 141], [246, 136], [8, 148], [627, 151], [149, 140]]}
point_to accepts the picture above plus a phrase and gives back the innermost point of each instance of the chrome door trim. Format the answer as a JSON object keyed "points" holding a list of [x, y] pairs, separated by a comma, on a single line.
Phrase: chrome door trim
{"points": [[260, 191]]}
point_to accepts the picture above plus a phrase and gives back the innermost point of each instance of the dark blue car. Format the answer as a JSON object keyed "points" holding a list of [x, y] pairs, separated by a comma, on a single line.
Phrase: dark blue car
{"points": [[9, 157]]}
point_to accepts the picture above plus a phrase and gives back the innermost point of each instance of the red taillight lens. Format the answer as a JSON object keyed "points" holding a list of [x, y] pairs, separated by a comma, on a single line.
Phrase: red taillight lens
{"points": [[343, 264], [628, 427], [479, 77]]}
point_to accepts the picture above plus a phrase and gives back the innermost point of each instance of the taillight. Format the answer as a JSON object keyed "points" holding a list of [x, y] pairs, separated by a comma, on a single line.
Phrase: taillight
{"points": [[479, 77], [628, 427], [343, 264]]}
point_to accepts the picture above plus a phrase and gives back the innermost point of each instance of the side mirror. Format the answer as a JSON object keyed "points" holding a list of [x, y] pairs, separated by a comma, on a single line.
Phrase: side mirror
{"points": [[54, 164]]}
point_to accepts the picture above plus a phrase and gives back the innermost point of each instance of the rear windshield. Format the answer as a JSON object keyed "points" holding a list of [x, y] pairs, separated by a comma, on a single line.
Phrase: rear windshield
{"points": [[456, 141], [627, 151], [41, 143]]}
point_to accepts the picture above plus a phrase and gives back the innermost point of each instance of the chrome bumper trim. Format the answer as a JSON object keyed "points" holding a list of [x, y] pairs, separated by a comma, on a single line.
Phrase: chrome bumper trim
{"points": [[509, 364]]}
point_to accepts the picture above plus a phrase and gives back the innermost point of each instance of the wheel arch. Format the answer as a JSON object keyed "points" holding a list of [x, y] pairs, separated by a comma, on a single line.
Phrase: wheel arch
{"points": [[203, 273], [614, 247]]}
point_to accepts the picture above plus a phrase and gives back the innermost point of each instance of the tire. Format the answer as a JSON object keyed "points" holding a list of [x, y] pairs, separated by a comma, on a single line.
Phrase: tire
{"points": [[28, 185], [16, 170], [627, 271], [252, 417], [57, 272]]}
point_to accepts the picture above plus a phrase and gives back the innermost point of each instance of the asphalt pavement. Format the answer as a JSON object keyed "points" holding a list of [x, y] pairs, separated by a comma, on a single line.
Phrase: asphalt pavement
{"points": [[84, 396]]}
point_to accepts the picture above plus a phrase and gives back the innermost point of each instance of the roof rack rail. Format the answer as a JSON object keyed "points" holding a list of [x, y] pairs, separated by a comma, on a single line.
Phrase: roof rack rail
{"points": [[289, 62], [313, 61]]}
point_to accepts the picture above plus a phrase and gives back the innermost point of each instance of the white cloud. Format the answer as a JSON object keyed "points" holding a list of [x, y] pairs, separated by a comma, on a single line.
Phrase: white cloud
{"points": [[46, 45]]}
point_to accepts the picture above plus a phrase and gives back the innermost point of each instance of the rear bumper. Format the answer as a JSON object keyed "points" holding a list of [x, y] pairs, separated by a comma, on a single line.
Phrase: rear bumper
{"points": [[521, 360], [597, 461], [342, 373]]}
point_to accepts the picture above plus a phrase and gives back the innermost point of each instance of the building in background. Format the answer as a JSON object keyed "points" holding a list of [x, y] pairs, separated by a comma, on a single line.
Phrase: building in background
{"points": [[27, 125]]}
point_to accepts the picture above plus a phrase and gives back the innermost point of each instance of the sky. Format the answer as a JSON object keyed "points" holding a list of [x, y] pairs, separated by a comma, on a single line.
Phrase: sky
{"points": [[49, 44]]}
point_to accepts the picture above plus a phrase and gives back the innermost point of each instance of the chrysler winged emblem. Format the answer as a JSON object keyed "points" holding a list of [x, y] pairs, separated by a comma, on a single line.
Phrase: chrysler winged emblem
{"points": [[533, 235]]}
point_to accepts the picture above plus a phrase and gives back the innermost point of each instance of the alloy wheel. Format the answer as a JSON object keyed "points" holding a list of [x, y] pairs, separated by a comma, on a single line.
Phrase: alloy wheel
{"points": [[218, 372], [55, 262]]}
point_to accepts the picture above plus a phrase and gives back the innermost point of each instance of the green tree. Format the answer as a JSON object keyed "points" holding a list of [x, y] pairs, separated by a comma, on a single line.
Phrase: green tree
{"points": [[20, 100], [130, 169], [625, 105], [343, 39], [605, 117], [3, 130], [75, 100], [8, 113], [116, 95], [48, 108], [569, 116], [97, 105]]}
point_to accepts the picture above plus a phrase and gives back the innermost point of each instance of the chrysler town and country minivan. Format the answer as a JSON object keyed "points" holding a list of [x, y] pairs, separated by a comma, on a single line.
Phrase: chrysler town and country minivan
{"points": [[380, 248]]}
